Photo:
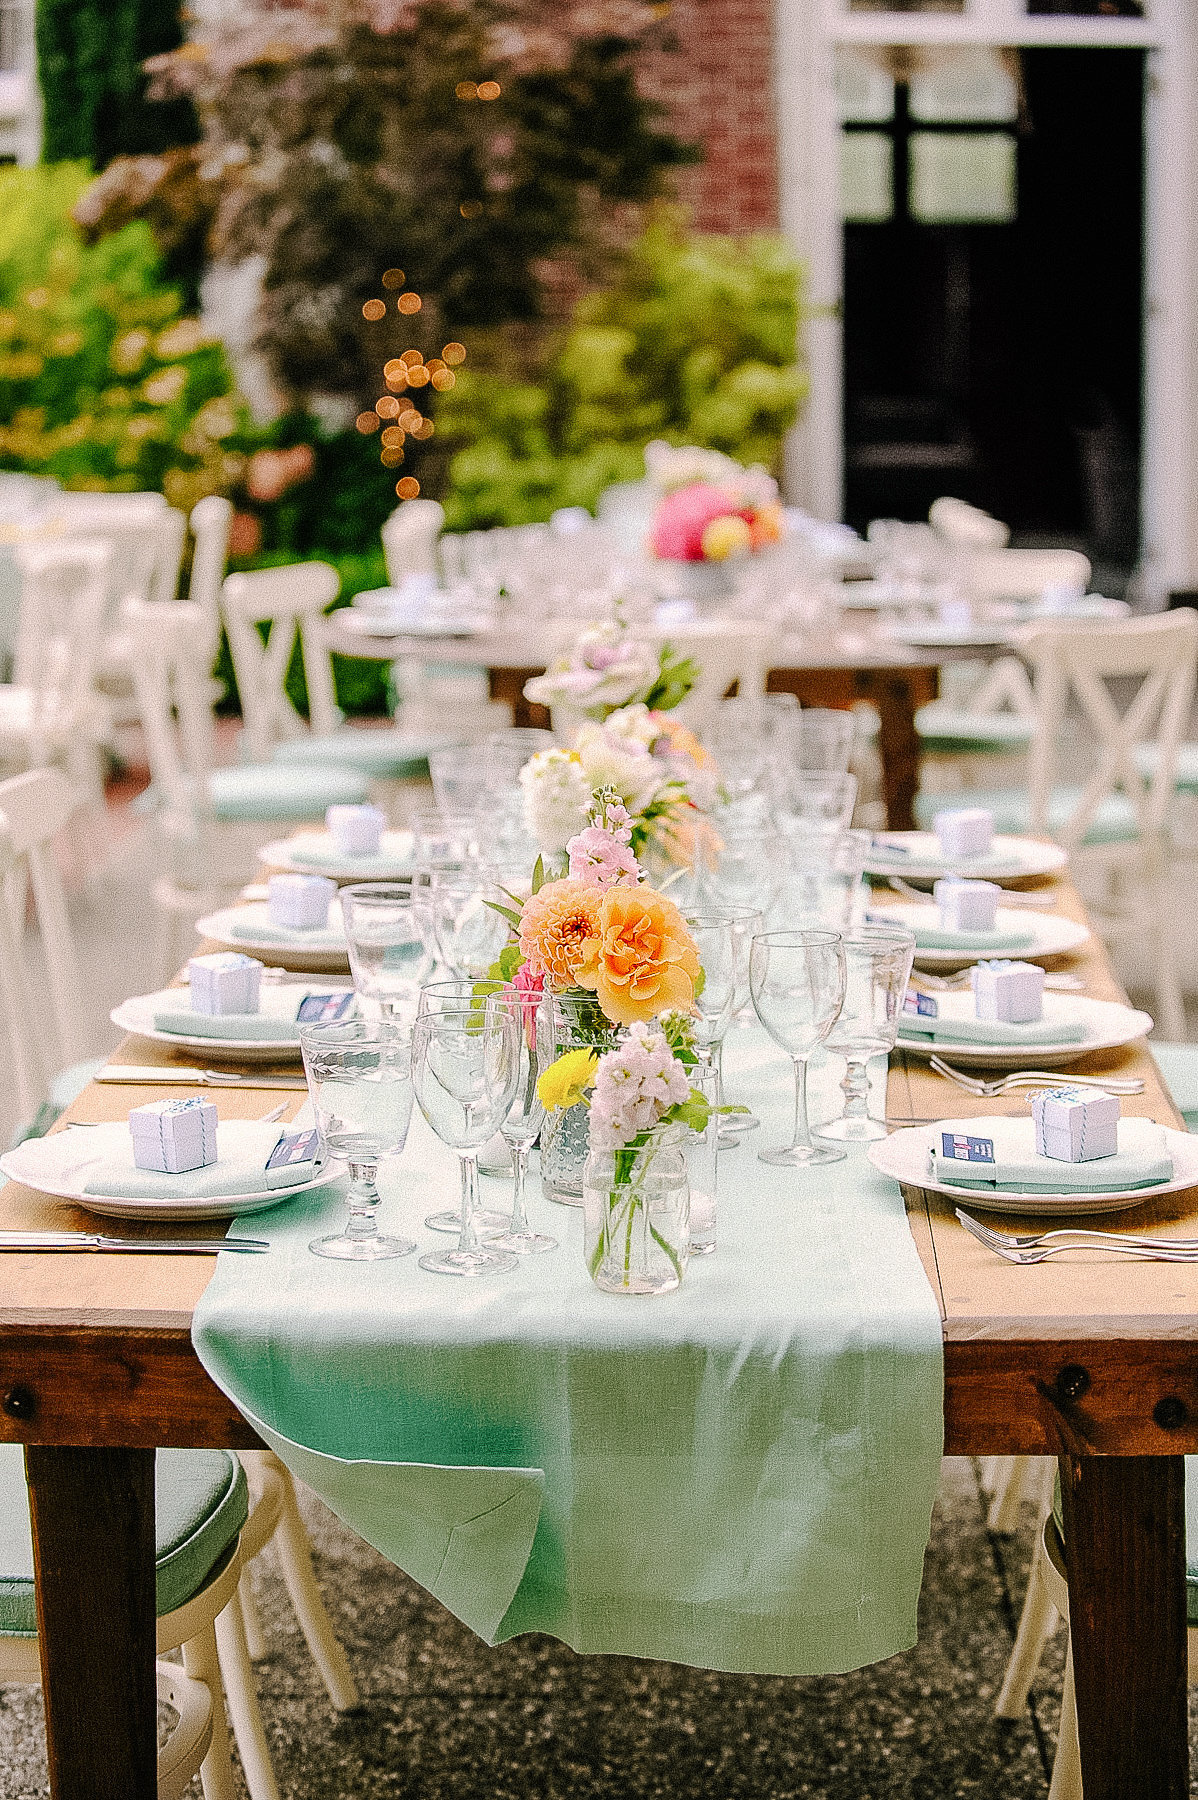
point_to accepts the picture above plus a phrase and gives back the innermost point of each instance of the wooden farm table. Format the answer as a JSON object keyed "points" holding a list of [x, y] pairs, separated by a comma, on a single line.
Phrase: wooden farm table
{"points": [[822, 669], [1094, 1362]]}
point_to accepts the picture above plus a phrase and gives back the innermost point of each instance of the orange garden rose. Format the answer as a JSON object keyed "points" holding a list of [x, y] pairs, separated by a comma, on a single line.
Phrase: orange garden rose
{"points": [[560, 930], [647, 962]]}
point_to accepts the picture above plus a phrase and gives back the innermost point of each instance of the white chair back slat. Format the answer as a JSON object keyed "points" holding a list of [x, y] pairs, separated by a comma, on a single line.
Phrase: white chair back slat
{"points": [[172, 535], [410, 539], [139, 533], [211, 522], [966, 526], [293, 601], [1161, 654], [170, 659], [34, 809], [64, 587]]}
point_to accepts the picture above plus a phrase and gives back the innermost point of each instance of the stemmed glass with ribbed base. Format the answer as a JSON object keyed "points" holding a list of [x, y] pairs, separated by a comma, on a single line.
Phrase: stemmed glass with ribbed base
{"points": [[360, 1083], [878, 962]]}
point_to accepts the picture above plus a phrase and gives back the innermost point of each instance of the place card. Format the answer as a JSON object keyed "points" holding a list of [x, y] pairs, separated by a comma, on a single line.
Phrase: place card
{"points": [[1076, 1124], [326, 1009], [920, 1006], [957, 1147], [173, 1136], [295, 1147]]}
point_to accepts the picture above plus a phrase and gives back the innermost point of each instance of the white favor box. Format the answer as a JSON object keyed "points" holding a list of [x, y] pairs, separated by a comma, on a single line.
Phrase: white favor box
{"points": [[224, 983], [967, 905], [301, 901], [1011, 991], [174, 1136], [1076, 1124], [356, 830], [964, 831]]}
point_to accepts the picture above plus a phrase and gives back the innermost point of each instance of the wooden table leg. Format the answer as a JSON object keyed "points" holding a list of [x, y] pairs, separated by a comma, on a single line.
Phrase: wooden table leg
{"points": [[898, 694], [1125, 1543], [93, 1547]]}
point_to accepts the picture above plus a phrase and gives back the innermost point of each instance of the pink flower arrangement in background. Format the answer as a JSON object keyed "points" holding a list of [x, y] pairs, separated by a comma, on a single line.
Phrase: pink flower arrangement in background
{"points": [[704, 523]]}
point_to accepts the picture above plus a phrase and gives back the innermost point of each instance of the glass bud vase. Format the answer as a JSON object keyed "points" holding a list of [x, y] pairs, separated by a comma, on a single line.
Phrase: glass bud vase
{"points": [[637, 1215], [572, 1022]]}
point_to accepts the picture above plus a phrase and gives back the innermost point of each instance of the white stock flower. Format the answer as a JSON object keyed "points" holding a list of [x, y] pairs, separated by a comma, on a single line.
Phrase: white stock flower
{"points": [[620, 763], [557, 798]]}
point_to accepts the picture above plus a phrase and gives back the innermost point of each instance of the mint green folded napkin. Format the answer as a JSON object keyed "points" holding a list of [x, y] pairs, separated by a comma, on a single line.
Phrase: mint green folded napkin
{"points": [[316, 853], [274, 1023], [990, 1031], [260, 930], [974, 943], [1142, 1160], [242, 1149]]}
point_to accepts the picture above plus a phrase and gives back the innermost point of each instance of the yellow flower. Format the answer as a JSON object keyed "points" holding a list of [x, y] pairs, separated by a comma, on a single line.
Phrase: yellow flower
{"points": [[565, 1082], [724, 537]]}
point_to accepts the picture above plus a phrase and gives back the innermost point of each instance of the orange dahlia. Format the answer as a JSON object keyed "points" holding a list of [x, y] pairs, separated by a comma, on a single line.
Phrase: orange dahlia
{"points": [[559, 933], [647, 962]]}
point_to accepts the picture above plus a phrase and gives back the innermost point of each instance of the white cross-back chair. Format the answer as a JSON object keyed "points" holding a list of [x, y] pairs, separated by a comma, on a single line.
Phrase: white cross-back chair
{"points": [[211, 522], [966, 526], [410, 539], [51, 712]]}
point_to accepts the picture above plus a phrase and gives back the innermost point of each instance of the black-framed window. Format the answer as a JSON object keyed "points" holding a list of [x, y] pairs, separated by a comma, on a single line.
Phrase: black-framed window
{"points": [[929, 139]]}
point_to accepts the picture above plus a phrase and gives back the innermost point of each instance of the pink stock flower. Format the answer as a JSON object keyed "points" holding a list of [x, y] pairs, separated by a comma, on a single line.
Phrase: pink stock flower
{"points": [[530, 987], [599, 858]]}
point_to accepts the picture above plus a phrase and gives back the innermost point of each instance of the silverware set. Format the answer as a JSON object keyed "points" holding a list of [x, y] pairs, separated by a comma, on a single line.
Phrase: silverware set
{"points": [[984, 1089], [1034, 1247]]}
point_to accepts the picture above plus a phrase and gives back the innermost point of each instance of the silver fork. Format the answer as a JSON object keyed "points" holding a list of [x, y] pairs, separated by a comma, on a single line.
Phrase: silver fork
{"points": [[1025, 1078], [1158, 1252], [1008, 899], [1016, 1240], [1062, 984]]}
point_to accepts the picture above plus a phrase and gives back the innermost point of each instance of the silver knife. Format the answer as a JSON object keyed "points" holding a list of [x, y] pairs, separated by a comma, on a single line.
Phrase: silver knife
{"points": [[86, 1240], [167, 1075]]}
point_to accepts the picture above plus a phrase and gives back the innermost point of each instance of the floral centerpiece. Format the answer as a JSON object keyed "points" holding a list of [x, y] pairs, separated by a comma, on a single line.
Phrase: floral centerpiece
{"points": [[711, 510], [610, 667]]}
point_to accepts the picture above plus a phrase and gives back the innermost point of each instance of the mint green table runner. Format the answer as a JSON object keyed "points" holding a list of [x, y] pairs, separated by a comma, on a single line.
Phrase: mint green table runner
{"points": [[738, 1476]]}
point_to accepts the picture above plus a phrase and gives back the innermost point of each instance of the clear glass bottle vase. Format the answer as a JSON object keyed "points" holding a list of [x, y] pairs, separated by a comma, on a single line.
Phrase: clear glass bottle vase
{"points": [[637, 1215], [574, 1022]]}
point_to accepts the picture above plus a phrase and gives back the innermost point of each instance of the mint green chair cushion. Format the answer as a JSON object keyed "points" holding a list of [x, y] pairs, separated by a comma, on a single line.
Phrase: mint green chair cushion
{"points": [[262, 792], [201, 1501], [1191, 1529], [382, 755], [1114, 823], [1185, 780], [1178, 1064], [953, 730], [66, 1086]]}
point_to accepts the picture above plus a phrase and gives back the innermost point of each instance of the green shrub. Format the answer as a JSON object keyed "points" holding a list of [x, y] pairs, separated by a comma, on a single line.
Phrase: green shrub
{"points": [[695, 343]]}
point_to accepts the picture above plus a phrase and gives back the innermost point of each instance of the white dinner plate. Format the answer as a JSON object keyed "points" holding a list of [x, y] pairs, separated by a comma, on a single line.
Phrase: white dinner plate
{"points": [[936, 636], [388, 624], [395, 851], [1009, 859], [293, 952], [1109, 1025], [1051, 936], [904, 1156], [137, 1015], [51, 1165]]}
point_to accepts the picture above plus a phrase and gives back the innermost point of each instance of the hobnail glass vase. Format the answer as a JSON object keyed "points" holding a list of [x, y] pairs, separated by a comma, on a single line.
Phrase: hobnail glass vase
{"points": [[575, 1022], [637, 1215]]}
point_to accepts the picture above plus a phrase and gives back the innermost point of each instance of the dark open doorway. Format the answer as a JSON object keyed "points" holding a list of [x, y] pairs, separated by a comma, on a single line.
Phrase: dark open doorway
{"points": [[1000, 358]]}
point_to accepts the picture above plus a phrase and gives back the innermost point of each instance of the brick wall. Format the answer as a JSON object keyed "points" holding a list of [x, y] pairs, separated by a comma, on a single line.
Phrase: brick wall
{"points": [[718, 88]]}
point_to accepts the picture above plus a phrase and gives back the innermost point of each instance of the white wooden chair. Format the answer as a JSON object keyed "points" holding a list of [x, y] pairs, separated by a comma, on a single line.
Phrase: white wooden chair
{"points": [[50, 711], [966, 526], [410, 539], [211, 522], [293, 601], [1118, 818]]}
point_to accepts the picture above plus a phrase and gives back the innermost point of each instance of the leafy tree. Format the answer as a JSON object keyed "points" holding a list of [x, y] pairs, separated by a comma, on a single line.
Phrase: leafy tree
{"points": [[695, 342]]}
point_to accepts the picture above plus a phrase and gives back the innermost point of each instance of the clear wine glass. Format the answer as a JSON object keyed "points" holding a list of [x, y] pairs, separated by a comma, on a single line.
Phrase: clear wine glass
{"points": [[878, 962], [469, 932], [360, 1083], [797, 980], [390, 950], [820, 800], [744, 923], [454, 997], [821, 738], [525, 1118], [465, 1068], [824, 878], [714, 935]]}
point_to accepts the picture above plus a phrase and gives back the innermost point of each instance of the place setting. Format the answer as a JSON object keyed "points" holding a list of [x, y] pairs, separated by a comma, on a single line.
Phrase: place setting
{"points": [[967, 919], [299, 924], [355, 845], [963, 842], [1007, 1012]]}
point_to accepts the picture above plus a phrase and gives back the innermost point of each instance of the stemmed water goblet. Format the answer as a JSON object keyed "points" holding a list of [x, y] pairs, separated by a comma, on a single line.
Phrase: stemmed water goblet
{"points": [[360, 1083], [723, 933], [469, 932], [797, 980], [821, 738], [390, 949], [878, 962], [465, 1070], [456, 997], [524, 1119]]}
